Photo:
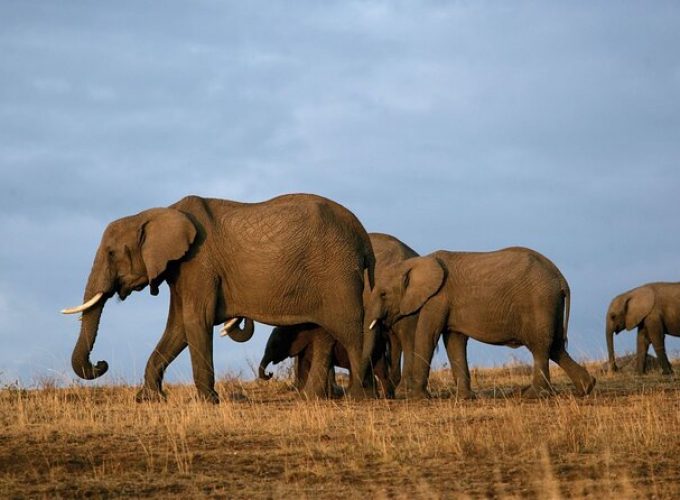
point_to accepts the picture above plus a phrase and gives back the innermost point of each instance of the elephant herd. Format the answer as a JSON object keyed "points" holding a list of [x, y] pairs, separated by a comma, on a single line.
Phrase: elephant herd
{"points": [[339, 296]]}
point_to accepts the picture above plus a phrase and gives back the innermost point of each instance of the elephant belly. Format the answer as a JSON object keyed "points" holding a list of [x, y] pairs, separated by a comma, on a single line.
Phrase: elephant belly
{"points": [[487, 328]]}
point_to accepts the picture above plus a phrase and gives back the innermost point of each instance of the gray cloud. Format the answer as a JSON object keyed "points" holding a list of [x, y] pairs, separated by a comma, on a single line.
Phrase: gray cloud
{"points": [[450, 125]]}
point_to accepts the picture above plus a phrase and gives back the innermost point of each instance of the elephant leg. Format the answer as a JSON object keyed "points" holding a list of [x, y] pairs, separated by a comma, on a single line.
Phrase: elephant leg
{"points": [[456, 350], [303, 364], [317, 380], [540, 382], [394, 369], [382, 375], [407, 341], [431, 322], [579, 376], [200, 343], [168, 348], [350, 336], [641, 351], [655, 331]]}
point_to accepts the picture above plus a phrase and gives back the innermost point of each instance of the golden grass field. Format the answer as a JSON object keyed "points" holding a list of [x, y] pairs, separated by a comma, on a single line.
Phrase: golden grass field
{"points": [[262, 441]]}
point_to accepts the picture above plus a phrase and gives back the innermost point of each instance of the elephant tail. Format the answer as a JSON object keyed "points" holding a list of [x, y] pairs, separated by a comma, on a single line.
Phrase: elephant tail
{"points": [[566, 294]]}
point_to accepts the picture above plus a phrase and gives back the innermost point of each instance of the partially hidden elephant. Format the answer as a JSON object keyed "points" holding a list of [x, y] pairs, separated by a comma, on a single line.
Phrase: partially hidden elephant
{"points": [[297, 258], [514, 297], [654, 309], [299, 342], [304, 341]]}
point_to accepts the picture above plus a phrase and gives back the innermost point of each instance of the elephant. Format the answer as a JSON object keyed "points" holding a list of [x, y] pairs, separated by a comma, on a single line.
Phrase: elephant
{"points": [[654, 309], [299, 342], [514, 297], [297, 258], [302, 341]]}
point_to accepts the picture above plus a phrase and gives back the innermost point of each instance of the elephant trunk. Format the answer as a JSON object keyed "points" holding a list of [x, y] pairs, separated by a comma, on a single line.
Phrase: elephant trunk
{"points": [[101, 280], [369, 345], [244, 334], [610, 348], [266, 359]]}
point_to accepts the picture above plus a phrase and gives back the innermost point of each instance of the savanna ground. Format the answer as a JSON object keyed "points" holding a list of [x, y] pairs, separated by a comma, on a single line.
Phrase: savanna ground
{"points": [[623, 441]]}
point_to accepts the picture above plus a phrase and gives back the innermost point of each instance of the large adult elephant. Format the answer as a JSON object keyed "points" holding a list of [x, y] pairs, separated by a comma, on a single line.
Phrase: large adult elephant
{"points": [[654, 309], [297, 258], [302, 341], [512, 297]]}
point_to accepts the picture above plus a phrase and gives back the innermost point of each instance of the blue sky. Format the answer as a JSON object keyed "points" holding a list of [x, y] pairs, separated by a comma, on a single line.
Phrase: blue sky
{"points": [[451, 125]]}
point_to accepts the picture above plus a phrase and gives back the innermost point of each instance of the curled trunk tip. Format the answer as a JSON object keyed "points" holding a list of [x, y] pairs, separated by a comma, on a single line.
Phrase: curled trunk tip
{"points": [[262, 370], [235, 332]]}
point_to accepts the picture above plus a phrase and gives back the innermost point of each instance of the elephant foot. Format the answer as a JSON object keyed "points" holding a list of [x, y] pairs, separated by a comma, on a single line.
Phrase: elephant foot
{"points": [[587, 387], [149, 395], [532, 392], [469, 395], [416, 394], [313, 393], [359, 393], [337, 392], [667, 373], [209, 397]]}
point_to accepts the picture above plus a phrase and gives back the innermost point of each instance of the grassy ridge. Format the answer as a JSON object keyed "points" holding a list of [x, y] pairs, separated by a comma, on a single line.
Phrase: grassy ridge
{"points": [[263, 441]]}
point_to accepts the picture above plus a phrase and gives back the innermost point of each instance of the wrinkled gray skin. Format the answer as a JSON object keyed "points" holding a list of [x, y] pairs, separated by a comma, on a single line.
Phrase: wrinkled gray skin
{"points": [[301, 341], [270, 262], [511, 297], [654, 309]]}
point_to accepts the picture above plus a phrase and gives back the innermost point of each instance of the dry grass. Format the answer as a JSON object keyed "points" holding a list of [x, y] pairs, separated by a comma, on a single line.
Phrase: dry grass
{"points": [[263, 441]]}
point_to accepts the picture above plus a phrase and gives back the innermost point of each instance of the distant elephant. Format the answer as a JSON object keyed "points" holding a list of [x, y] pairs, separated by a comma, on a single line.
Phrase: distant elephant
{"points": [[655, 310], [512, 297], [297, 258], [302, 341]]}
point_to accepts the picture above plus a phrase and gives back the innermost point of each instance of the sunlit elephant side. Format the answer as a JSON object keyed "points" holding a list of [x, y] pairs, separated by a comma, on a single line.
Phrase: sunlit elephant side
{"points": [[654, 309], [512, 297], [302, 341], [294, 259]]}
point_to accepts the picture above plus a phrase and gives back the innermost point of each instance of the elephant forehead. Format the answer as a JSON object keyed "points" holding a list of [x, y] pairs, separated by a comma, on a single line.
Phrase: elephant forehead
{"points": [[118, 229]]}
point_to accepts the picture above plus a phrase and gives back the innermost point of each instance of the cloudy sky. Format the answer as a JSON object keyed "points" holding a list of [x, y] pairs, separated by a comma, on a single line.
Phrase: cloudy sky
{"points": [[451, 125]]}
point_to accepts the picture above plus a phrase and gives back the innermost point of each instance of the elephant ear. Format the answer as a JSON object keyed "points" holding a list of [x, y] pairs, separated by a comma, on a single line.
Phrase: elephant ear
{"points": [[422, 278], [638, 306], [166, 235]]}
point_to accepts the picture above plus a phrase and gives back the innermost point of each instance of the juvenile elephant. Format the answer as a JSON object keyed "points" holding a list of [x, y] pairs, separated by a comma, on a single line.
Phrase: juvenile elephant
{"points": [[270, 262], [654, 309], [512, 297], [303, 341], [300, 341]]}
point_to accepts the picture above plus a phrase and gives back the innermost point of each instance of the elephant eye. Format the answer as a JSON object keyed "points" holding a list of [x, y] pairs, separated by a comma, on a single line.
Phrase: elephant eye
{"points": [[383, 294]]}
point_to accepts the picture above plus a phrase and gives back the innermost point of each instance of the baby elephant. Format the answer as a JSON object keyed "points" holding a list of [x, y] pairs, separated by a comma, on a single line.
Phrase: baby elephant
{"points": [[300, 341], [512, 297], [655, 310]]}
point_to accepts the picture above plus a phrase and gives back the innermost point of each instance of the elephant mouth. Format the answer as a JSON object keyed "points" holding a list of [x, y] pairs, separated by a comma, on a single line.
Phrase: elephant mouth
{"points": [[136, 285]]}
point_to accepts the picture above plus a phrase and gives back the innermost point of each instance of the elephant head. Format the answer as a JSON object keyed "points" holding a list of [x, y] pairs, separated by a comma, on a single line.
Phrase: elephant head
{"points": [[285, 342], [403, 289], [626, 312], [134, 252], [278, 348]]}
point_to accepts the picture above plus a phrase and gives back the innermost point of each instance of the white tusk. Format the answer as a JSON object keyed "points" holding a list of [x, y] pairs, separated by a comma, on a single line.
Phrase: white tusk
{"points": [[373, 323], [228, 326], [85, 306]]}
